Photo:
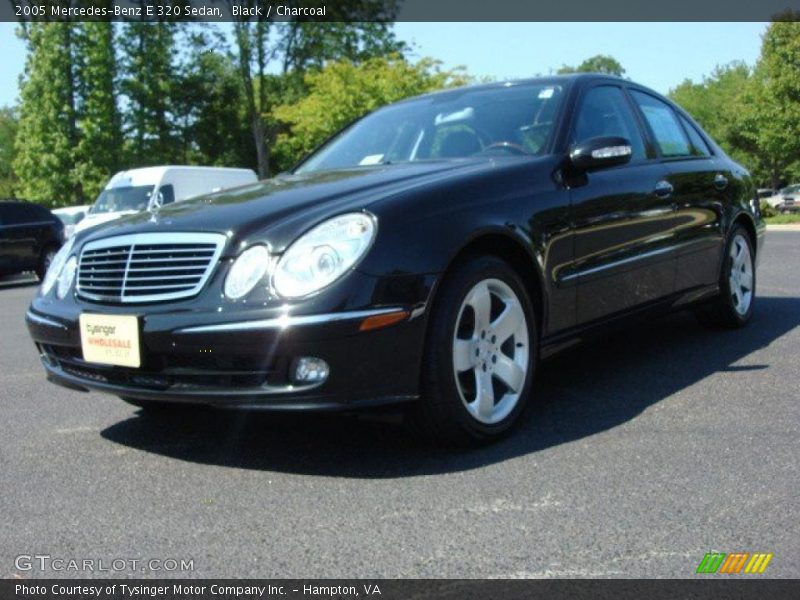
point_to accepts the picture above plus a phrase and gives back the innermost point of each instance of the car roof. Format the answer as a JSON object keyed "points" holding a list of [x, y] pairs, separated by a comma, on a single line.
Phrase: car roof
{"points": [[71, 210], [567, 78], [13, 202], [151, 175]]}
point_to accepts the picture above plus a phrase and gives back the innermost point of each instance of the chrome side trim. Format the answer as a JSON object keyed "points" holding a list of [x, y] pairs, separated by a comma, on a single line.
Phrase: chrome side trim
{"points": [[27, 224], [287, 321], [617, 263], [31, 316]]}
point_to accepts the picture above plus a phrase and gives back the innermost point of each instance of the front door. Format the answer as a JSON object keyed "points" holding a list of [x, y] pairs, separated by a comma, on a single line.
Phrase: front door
{"points": [[623, 217]]}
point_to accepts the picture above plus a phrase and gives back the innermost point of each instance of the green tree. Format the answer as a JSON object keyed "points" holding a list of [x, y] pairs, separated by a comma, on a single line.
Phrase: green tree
{"points": [[148, 83], [364, 31], [47, 132], [8, 133], [308, 45], [97, 155], [253, 57], [344, 91], [717, 104], [209, 105], [600, 63], [770, 111]]}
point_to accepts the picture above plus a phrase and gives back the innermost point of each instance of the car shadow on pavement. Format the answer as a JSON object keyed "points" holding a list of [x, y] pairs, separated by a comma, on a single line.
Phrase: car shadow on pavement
{"points": [[590, 389]]}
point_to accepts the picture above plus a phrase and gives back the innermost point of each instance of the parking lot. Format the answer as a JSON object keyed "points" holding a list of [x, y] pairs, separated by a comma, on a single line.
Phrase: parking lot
{"points": [[649, 448]]}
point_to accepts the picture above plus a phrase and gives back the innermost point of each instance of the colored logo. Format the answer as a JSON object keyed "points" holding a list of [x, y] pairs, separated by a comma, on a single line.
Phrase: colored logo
{"points": [[736, 562]]}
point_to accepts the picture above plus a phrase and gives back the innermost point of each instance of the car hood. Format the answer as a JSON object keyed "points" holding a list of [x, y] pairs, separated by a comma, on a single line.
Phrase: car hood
{"points": [[93, 220], [287, 205]]}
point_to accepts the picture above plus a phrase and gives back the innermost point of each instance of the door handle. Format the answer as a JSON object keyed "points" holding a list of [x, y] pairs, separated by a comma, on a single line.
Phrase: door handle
{"points": [[663, 189], [720, 181]]}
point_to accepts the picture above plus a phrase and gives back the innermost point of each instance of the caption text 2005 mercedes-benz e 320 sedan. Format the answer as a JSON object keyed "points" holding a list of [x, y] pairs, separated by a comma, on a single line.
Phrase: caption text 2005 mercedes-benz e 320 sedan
{"points": [[430, 253]]}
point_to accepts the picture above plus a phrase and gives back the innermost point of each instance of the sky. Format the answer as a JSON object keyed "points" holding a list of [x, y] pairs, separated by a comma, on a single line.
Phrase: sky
{"points": [[658, 55]]}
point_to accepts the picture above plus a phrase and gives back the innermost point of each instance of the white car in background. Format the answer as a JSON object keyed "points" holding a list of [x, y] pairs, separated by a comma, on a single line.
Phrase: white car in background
{"points": [[786, 199], [70, 216], [138, 190]]}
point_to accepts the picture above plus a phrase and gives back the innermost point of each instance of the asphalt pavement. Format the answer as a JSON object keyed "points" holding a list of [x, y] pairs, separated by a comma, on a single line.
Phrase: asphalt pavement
{"points": [[650, 448]]}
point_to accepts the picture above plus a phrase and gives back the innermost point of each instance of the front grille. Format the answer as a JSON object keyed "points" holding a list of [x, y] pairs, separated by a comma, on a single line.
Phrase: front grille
{"points": [[148, 267]]}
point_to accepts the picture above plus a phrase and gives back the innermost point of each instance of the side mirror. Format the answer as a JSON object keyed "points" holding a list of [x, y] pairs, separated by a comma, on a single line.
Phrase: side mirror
{"points": [[600, 153]]}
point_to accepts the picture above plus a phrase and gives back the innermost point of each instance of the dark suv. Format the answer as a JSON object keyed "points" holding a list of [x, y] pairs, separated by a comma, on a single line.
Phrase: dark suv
{"points": [[30, 236]]}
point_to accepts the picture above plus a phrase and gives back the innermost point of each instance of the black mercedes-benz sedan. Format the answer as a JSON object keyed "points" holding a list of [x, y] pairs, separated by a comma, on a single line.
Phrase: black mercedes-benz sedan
{"points": [[429, 254]]}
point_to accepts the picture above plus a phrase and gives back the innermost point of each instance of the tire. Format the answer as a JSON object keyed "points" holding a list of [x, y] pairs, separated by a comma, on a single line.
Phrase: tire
{"points": [[477, 371], [733, 306], [44, 261]]}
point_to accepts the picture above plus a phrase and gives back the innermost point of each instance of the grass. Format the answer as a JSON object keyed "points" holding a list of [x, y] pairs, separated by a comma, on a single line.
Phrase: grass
{"points": [[783, 219]]}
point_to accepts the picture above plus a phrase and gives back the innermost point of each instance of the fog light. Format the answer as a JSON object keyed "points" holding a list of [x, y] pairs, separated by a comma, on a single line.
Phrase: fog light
{"points": [[309, 369]]}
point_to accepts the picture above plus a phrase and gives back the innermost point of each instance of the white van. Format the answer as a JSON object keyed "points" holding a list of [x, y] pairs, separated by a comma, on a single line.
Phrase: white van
{"points": [[137, 190]]}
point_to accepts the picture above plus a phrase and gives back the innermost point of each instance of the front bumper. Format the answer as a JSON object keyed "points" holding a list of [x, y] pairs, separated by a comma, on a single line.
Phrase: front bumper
{"points": [[245, 362]]}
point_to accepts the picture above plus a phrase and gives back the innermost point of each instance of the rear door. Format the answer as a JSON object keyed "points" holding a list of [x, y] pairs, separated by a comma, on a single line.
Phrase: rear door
{"points": [[23, 228], [700, 183], [623, 221], [6, 255]]}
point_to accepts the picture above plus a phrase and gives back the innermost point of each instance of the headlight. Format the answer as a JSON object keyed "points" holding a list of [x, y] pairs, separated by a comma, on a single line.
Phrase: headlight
{"points": [[324, 254], [246, 272], [55, 267], [66, 277]]}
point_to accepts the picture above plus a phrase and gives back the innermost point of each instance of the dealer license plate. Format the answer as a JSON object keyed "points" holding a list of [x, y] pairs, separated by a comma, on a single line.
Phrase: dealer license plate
{"points": [[110, 339]]}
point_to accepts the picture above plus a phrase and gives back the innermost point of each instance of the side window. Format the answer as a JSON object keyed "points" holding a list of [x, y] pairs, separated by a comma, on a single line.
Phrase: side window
{"points": [[699, 146], [40, 213], [605, 112], [664, 125], [168, 193], [15, 214]]}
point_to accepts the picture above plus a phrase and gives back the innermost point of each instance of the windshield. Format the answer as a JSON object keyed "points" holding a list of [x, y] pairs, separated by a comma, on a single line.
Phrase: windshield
{"points": [[122, 198], [513, 120], [792, 189]]}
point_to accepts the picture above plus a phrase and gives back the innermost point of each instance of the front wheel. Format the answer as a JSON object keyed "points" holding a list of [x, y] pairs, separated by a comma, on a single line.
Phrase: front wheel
{"points": [[733, 307], [480, 355]]}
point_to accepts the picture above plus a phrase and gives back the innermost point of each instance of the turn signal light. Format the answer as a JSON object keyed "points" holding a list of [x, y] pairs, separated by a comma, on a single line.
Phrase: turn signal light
{"points": [[378, 321]]}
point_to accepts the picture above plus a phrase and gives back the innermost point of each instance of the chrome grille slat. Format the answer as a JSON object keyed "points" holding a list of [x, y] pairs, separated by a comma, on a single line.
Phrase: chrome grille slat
{"points": [[104, 262], [161, 277], [172, 260], [107, 255], [147, 267], [140, 288], [181, 268], [104, 287], [174, 250]]}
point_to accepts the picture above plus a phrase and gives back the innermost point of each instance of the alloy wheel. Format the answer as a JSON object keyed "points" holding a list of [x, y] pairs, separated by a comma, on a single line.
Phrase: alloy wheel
{"points": [[740, 277], [491, 351]]}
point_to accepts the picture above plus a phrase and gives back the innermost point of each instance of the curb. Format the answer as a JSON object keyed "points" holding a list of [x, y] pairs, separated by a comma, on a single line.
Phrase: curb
{"points": [[784, 227]]}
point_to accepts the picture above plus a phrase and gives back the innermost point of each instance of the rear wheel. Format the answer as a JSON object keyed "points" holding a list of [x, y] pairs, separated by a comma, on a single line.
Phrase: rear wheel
{"points": [[480, 355], [733, 307]]}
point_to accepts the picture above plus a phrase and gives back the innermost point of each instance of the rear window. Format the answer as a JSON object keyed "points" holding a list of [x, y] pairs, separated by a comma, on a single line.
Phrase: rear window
{"points": [[20, 214], [666, 129], [699, 146]]}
